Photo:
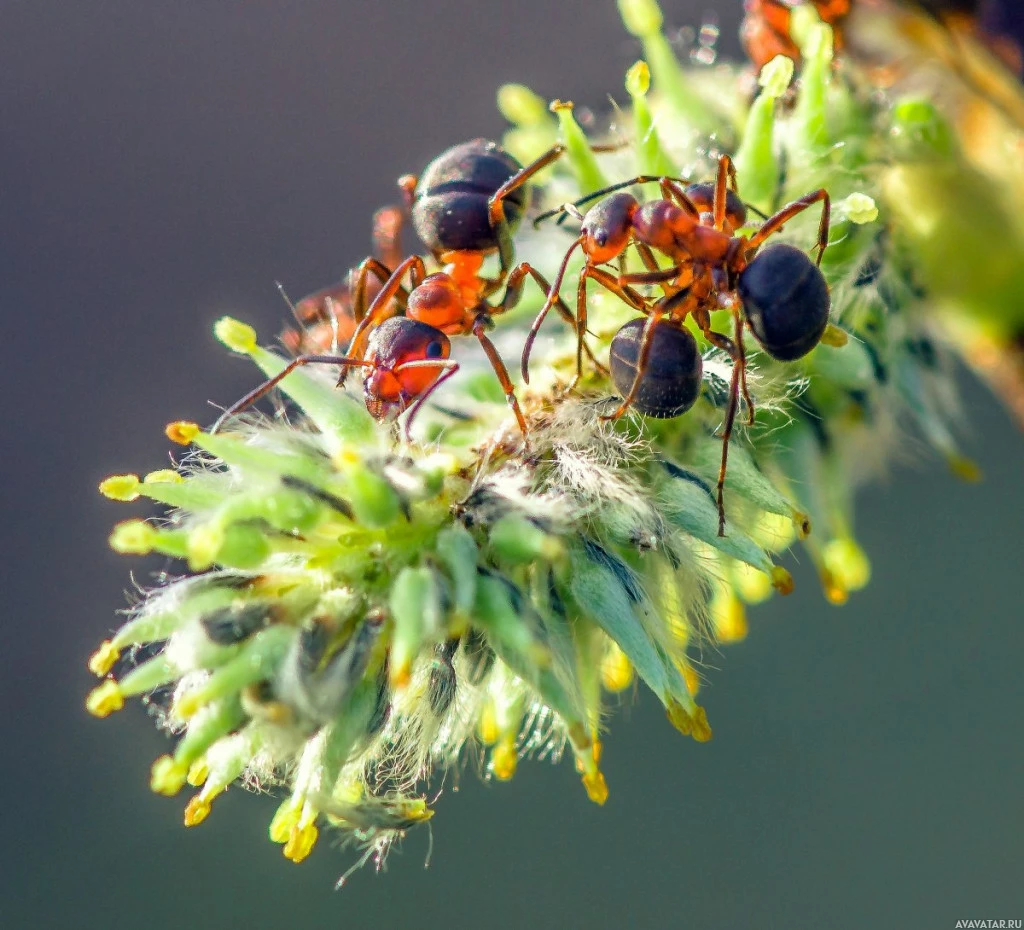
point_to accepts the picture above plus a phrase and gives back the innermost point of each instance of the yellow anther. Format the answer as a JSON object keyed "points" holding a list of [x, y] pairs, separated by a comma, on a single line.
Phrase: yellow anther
{"points": [[597, 749], [236, 335], [416, 809], [198, 772], [203, 546], [504, 760], [859, 208], [802, 524], [638, 80], [965, 469], [782, 580], [729, 616], [196, 811], [105, 699], [400, 674], [596, 787], [847, 563], [776, 75], [301, 842], [558, 106], [701, 727], [834, 336], [163, 476], [616, 669], [103, 659], [835, 593], [133, 537], [120, 487], [186, 706], [487, 724], [285, 820], [181, 431], [167, 777]]}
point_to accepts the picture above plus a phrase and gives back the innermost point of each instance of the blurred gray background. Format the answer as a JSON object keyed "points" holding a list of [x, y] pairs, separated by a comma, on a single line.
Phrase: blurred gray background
{"points": [[163, 163]]}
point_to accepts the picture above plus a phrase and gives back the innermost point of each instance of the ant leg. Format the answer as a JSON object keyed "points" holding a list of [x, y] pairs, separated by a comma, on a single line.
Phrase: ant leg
{"points": [[610, 189], [268, 385], [741, 359], [502, 372], [670, 190], [621, 290], [383, 274], [496, 206], [726, 171], [449, 364], [378, 310], [387, 234], [548, 304], [407, 185], [658, 276], [730, 419], [774, 223], [646, 341]]}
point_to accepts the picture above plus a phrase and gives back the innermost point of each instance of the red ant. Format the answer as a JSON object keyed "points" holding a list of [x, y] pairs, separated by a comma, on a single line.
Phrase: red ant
{"points": [[779, 293], [765, 27], [466, 206]]}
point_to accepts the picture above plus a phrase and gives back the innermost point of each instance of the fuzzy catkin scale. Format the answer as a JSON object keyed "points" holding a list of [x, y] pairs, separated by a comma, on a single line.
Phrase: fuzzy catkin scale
{"points": [[359, 609]]}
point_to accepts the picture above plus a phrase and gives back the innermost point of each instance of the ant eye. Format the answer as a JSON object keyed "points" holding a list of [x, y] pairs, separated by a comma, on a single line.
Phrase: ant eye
{"points": [[601, 238], [434, 349]]}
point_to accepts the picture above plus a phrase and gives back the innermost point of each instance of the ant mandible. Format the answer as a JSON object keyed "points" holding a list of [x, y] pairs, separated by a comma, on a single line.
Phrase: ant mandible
{"points": [[778, 292], [465, 207], [764, 31]]}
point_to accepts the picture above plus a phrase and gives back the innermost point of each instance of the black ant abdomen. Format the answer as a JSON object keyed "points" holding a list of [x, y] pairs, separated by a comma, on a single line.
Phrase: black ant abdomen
{"points": [[671, 379], [451, 209], [785, 300]]}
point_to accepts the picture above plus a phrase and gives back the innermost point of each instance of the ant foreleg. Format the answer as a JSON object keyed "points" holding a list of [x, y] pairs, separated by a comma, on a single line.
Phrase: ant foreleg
{"points": [[268, 385], [775, 223], [387, 234], [378, 310], [449, 364], [548, 304]]}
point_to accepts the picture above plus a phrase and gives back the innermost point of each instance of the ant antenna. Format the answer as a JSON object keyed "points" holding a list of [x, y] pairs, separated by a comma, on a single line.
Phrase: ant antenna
{"points": [[288, 300]]}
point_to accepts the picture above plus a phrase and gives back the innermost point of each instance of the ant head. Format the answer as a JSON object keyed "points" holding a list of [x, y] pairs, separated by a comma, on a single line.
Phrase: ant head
{"points": [[703, 197], [607, 226], [785, 300], [405, 355], [437, 302], [670, 380]]}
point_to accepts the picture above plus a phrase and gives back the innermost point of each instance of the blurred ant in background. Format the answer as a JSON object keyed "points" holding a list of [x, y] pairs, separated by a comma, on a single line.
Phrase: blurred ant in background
{"points": [[466, 206], [779, 293], [765, 27]]}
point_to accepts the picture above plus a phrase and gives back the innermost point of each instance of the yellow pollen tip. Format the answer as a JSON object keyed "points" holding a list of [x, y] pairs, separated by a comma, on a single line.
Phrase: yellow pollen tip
{"points": [[561, 106], [834, 592], [776, 75], [504, 760], [285, 821], [638, 80], [834, 336], [802, 523], [236, 335], [701, 727], [487, 725], [847, 563], [105, 699], [596, 787], [198, 772], [196, 811], [860, 209], [782, 580], [965, 469], [400, 674], [730, 617], [181, 431], [120, 487], [167, 777], [103, 659], [692, 680], [185, 708], [301, 842], [163, 476], [133, 537]]}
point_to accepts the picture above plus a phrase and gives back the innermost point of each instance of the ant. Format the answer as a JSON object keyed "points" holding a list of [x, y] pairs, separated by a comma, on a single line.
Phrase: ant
{"points": [[328, 317], [764, 31], [465, 206], [779, 293]]}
